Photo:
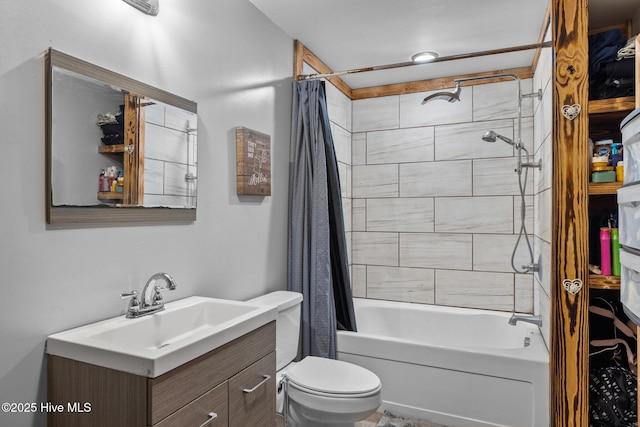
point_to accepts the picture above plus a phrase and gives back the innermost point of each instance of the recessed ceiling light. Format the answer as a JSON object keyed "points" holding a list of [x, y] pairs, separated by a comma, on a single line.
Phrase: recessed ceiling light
{"points": [[426, 56]]}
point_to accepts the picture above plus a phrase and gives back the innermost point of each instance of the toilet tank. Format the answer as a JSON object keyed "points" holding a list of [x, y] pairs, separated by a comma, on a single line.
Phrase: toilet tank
{"points": [[287, 323]]}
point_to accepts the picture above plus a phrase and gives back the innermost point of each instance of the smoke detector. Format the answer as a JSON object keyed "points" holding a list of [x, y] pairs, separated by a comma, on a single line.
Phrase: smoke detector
{"points": [[150, 7]]}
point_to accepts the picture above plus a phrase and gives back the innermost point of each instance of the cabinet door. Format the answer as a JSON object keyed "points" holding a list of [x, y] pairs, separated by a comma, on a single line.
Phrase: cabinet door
{"points": [[209, 410], [252, 394]]}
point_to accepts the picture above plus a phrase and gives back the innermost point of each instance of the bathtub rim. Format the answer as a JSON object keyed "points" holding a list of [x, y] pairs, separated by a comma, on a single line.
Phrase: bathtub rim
{"points": [[537, 352]]}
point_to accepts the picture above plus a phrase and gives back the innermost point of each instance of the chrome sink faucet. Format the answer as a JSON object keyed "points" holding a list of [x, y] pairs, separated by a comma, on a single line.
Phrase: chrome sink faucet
{"points": [[142, 307]]}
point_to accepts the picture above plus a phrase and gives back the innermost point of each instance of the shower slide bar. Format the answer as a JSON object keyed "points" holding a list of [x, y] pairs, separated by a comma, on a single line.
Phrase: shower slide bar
{"points": [[440, 59]]}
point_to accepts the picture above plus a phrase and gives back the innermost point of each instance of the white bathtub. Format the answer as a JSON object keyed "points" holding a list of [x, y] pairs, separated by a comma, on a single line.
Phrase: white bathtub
{"points": [[453, 366]]}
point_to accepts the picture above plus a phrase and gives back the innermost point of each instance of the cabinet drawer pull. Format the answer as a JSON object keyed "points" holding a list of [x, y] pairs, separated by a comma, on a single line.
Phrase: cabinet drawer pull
{"points": [[251, 390], [212, 416]]}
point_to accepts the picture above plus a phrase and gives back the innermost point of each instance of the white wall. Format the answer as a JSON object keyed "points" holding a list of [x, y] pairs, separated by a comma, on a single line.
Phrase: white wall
{"points": [[223, 54]]}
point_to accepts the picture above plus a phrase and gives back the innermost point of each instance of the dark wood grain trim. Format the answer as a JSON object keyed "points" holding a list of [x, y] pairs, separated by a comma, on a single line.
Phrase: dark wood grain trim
{"points": [[543, 32], [608, 105], [434, 84], [569, 321], [303, 55]]}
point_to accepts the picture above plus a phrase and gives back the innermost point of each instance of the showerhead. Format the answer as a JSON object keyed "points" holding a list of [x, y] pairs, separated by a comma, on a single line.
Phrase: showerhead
{"points": [[491, 136], [446, 96]]}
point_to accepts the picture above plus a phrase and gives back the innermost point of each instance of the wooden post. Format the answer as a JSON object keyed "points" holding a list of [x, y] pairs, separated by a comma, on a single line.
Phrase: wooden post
{"points": [[569, 321], [637, 72], [637, 86]]}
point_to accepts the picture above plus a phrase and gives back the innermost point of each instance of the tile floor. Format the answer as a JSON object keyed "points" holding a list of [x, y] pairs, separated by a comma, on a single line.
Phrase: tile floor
{"points": [[372, 421]]}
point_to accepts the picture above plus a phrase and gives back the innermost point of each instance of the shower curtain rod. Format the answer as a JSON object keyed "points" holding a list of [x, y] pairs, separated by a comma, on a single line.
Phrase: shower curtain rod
{"points": [[411, 63]]}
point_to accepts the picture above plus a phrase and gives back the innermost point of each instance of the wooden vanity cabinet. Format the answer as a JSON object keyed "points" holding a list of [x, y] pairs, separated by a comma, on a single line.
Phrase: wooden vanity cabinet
{"points": [[235, 381]]}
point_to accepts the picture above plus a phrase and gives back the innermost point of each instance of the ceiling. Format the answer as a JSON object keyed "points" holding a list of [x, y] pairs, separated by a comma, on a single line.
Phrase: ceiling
{"points": [[363, 33]]}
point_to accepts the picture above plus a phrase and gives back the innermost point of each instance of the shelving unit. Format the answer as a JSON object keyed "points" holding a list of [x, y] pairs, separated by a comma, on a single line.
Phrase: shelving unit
{"points": [[111, 149], [605, 116], [578, 206], [131, 153], [603, 188]]}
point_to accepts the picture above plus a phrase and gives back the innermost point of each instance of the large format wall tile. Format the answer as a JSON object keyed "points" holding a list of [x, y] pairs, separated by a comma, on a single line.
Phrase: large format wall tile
{"points": [[400, 146], [358, 149], [376, 114], [495, 177], [359, 281], [341, 143], [407, 214], [528, 214], [524, 293], [464, 140], [339, 107], [500, 100], [401, 284], [474, 214], [374, 248], [437, 112], [375, 181], [436, 179], [436, 250], [542, 225], [359, 212], [475, 289], [492, 252]]}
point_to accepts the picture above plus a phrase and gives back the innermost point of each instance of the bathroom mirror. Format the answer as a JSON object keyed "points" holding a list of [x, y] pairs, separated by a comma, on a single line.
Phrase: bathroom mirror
{"points": [[118, 150]]}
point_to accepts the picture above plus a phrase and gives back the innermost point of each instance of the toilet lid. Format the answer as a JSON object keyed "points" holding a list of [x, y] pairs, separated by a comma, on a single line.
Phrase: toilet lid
{"points": [[332, 376]]}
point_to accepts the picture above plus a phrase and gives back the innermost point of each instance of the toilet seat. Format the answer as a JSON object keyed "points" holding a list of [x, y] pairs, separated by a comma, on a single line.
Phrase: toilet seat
{"points": [[332, 378]]}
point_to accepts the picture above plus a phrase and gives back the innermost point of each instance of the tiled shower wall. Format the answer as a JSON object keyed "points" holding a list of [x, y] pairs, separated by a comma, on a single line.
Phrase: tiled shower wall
{"points": [[169, 156], [542, 120], [432, 210]]}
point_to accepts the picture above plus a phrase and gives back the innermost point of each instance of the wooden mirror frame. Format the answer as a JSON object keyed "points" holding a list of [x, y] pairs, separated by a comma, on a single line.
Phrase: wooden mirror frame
{"points": [[98, 214]]}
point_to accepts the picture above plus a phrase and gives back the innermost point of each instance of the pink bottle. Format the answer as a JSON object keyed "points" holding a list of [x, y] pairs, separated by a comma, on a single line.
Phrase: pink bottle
{"points": [[605, 251]]}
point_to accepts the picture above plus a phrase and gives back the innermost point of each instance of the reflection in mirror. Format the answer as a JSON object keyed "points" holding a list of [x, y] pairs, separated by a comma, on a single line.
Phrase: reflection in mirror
{"points": [[117, 149], [170, 146]]}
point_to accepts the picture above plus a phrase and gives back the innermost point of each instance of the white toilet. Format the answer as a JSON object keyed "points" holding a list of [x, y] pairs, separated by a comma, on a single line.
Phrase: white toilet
{"points": [[320, 392]]}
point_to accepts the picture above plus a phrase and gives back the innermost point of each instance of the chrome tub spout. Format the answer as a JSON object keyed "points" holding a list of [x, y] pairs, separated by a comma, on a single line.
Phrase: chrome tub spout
{"points": [[536, 320]]}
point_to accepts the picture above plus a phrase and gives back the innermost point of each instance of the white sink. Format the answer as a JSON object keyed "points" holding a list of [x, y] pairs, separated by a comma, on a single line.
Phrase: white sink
{"points": [[159, 342]]}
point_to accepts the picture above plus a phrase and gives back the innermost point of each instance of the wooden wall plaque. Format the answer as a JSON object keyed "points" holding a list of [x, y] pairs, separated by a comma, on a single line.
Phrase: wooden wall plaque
{"points": [[253, 157]]}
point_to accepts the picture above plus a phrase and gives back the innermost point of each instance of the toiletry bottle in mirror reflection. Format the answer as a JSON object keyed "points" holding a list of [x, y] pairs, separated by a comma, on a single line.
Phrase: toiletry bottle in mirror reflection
{"points": [[103, 182]]}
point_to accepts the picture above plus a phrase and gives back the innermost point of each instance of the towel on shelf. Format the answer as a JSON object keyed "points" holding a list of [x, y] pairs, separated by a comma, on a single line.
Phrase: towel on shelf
{"points": [[629, 50], [603, 48]]}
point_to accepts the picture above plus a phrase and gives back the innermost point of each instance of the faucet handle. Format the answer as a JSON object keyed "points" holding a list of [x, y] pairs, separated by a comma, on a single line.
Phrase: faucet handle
{"points": [[134, 304], [132, 294], [157, 296]]}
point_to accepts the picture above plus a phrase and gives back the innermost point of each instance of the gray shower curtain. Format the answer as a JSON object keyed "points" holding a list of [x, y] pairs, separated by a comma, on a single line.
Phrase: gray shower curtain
{"points": [[317, 258]]}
